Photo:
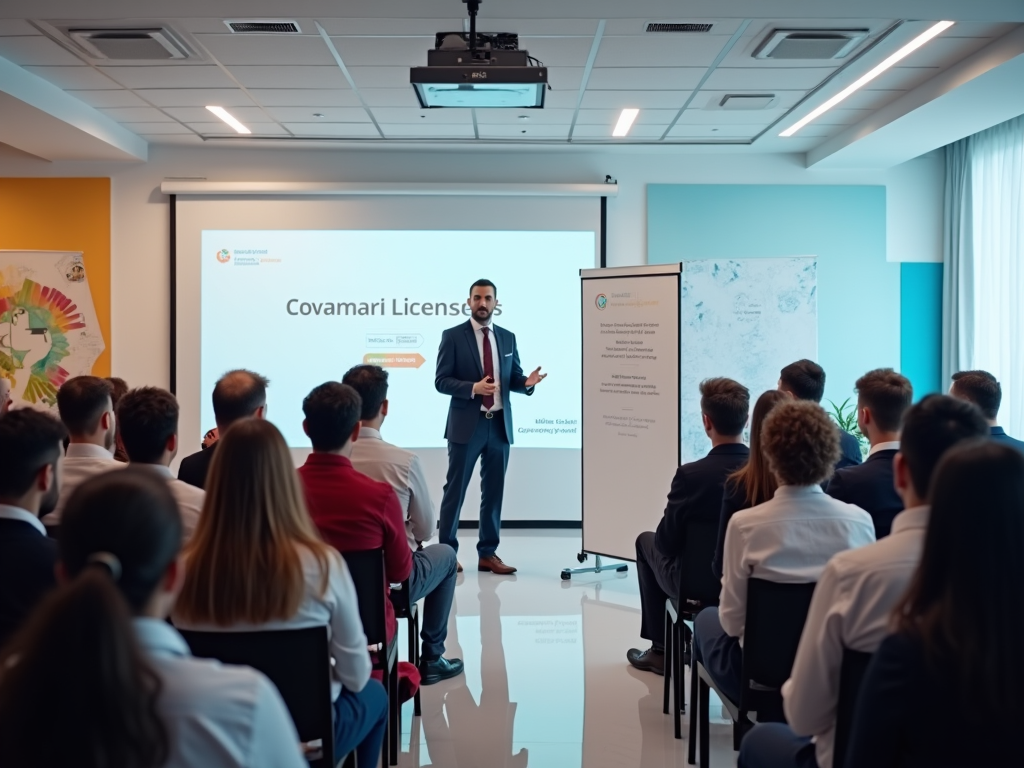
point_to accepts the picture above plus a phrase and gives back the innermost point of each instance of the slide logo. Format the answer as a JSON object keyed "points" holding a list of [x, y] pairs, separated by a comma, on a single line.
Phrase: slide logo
{"points": [[224, 256], [601, 301]]}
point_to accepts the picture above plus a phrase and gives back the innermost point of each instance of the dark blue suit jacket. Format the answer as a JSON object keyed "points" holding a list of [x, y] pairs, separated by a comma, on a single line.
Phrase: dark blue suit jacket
{"points": [[27, 558], [999, 435], [459, 367], [850, 455], [870, 486]]}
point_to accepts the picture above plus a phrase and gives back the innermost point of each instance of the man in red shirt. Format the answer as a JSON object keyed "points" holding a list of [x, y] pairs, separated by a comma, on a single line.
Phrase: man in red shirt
{"points": [[354, 512]]}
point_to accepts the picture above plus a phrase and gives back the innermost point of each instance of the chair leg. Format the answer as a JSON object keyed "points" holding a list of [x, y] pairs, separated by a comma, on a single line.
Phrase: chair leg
{"points": [[668, 662], [677, 662], [679, 642], [387, 723], [704, 715], [395, 718], [691, 756], [414, 653]]}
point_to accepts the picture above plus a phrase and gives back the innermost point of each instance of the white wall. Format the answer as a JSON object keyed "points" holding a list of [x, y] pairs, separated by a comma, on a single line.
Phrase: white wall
{"points": [[140, 265]]}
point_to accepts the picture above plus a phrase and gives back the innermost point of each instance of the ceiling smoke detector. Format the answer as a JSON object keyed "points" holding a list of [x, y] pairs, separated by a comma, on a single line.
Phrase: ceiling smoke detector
{"points": [[264, 27], [150, 44], [807, 44]]}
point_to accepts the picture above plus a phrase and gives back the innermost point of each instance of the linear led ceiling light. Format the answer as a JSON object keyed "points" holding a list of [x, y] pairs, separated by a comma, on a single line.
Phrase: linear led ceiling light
{"points": [[228, 118], [625, 122], [902, 53]]}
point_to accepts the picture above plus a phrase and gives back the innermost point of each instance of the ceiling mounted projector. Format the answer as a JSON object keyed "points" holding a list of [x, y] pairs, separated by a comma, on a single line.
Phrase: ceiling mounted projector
{"points": [[479, 71]]}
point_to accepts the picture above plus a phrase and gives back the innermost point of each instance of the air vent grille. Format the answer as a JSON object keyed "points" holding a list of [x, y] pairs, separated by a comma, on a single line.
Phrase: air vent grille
{"points": [[809, 44], [671, 26], [264, 27]]}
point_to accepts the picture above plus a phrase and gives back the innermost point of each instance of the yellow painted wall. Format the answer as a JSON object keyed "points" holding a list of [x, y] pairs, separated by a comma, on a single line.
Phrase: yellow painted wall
{"points": [[64, 215]]}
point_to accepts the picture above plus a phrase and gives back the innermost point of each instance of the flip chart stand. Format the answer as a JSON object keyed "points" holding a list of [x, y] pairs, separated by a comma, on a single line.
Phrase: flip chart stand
{"points": [[597, 568]]}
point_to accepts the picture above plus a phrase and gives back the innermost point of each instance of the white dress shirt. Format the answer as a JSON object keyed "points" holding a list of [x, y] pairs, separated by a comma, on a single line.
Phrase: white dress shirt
{"points": [[227, 716], [7, 512], [851, 608], [82, 461], [495, 358], [892, 445], [190, 499], [337, 609], [402, 470], [788, 540]]}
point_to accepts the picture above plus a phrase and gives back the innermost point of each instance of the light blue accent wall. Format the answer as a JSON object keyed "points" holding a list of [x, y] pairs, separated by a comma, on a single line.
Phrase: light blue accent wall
{"points": [[921, 326], [859, 301]]}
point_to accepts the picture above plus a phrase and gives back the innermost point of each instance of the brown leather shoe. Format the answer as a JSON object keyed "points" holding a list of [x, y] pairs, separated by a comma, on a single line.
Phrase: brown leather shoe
{"points": [[495, 565], [458, 569]]}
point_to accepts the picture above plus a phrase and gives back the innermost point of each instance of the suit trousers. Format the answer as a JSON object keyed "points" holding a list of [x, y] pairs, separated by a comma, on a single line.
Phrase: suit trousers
{"points": [[719, 652], [659, 579], [774, 745], [490, 445]]}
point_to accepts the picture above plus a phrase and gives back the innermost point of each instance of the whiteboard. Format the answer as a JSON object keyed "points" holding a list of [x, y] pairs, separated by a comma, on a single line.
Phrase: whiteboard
{"points": [[630, 405]]}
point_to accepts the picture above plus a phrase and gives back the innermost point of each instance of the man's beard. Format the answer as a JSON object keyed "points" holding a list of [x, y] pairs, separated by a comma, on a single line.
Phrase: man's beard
{"points": [[482, 314]]}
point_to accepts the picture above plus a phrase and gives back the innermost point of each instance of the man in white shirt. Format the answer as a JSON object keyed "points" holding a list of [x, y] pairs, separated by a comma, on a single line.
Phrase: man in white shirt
{"points": [[788, 539], [85, 407], [433, 567], [149, 431], [853, 602]]}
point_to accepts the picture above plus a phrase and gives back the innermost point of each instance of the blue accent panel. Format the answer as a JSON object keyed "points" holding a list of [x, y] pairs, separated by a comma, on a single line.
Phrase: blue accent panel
{"points": [[844, 226], [921, 326]]}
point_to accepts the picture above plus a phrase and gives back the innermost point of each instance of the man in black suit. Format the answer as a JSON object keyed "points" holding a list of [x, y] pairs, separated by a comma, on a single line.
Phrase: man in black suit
{"points": [[982, 389], [883, 397], [805, 380], [696, 494], [238, 394], [31, 450]]}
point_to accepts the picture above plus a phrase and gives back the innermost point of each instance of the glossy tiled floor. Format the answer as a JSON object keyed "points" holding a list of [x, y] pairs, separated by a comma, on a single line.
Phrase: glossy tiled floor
{"points": [[547, 684]]}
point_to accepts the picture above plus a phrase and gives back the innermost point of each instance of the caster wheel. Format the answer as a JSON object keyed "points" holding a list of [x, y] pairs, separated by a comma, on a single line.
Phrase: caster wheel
{"points": [[566, 575], [581, 557], [622, 568]]}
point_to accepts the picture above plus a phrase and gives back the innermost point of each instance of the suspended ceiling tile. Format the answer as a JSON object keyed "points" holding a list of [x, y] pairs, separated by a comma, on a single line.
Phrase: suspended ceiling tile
{"points": [[80, 77], [389, 27], [610, 116], [306, 97], [753, 78], [195, 97], [605, 131], [36, 50], [334, 130], [120, 98], [380, 77], [330, 114], [565, 78], [136, 114], [659, 50], [718, 117], [284, 50], [164, 76], [514, 117], [645, 78], [246, 115], [449, 131], [411, 115], [223, 129], [558, 51], [289, 77], [528, 28], [638, 99], [684, 131], [390, 97], [558, 97], [384, 51], [524, 132]]}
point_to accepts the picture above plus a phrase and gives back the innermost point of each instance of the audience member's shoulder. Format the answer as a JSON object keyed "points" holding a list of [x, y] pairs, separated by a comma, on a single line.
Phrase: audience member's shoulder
{"points": [[845, 508], [187, 490], [189, 681]]}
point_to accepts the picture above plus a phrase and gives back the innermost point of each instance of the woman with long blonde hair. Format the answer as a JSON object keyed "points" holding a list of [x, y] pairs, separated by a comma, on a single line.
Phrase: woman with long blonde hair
{"points": [[256, 561]]}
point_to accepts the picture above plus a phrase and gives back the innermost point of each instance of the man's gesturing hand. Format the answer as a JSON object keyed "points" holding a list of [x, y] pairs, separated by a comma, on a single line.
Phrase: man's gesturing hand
{"points": [[485, 386], [535, 378]]}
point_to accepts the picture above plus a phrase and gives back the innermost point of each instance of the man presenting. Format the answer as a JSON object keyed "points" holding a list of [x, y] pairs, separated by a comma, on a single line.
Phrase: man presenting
{"points": [[478, 366]]}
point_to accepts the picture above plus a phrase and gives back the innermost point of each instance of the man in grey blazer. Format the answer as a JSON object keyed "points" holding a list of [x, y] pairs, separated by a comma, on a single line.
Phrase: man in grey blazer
{"points": [[478, 366]]}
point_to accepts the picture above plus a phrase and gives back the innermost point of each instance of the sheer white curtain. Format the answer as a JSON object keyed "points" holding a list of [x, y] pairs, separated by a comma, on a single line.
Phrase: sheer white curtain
{"points": [[985, 261]]}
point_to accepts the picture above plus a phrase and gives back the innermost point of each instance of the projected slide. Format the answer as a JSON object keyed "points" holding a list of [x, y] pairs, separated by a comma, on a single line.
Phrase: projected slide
{"points": [[302, 307]]}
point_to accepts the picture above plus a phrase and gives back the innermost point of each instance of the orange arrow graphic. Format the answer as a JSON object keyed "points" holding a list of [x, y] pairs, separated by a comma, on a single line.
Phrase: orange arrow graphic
{"points": [[395, 359]]}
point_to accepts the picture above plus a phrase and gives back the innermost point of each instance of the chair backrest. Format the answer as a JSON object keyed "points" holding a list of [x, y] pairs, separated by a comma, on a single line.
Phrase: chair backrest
{"points": [[851, 675], [698, 586], [367, 569], [297, 661], [775, 619]]}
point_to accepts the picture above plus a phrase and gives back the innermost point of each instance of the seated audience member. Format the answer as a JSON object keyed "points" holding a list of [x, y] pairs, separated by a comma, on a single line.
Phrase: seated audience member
{"points": [[751, 484], [30, 459], [101, 679], [148, 419], [433, 567], [982, 389], [788, 539], [954, 662], [805, 380], [237, 395], [883, 396], [119, 388], [856, 594], [5, 395], [354, 512], [86, 408], [696, 494], [257, 563]]}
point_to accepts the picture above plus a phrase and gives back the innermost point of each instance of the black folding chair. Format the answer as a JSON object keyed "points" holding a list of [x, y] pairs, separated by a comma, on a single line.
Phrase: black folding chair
{"points": [[408, 610], [774, 622], [367, 569], [851, 675], [698, 588], [298, 662]]}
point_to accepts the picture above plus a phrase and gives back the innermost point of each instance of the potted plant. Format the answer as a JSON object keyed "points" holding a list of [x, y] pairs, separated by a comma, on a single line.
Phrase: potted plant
{"points": [[845, 415]]}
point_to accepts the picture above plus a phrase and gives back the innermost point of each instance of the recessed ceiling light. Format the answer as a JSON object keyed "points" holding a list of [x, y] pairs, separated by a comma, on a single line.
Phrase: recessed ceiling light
{"points": [[319, 114], [906, 50], [524, 117], [626, 119], [230, 119]]}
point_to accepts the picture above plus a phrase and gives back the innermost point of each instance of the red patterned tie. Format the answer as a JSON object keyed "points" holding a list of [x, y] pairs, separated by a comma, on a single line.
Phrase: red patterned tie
{"points": [[488, 400]]}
